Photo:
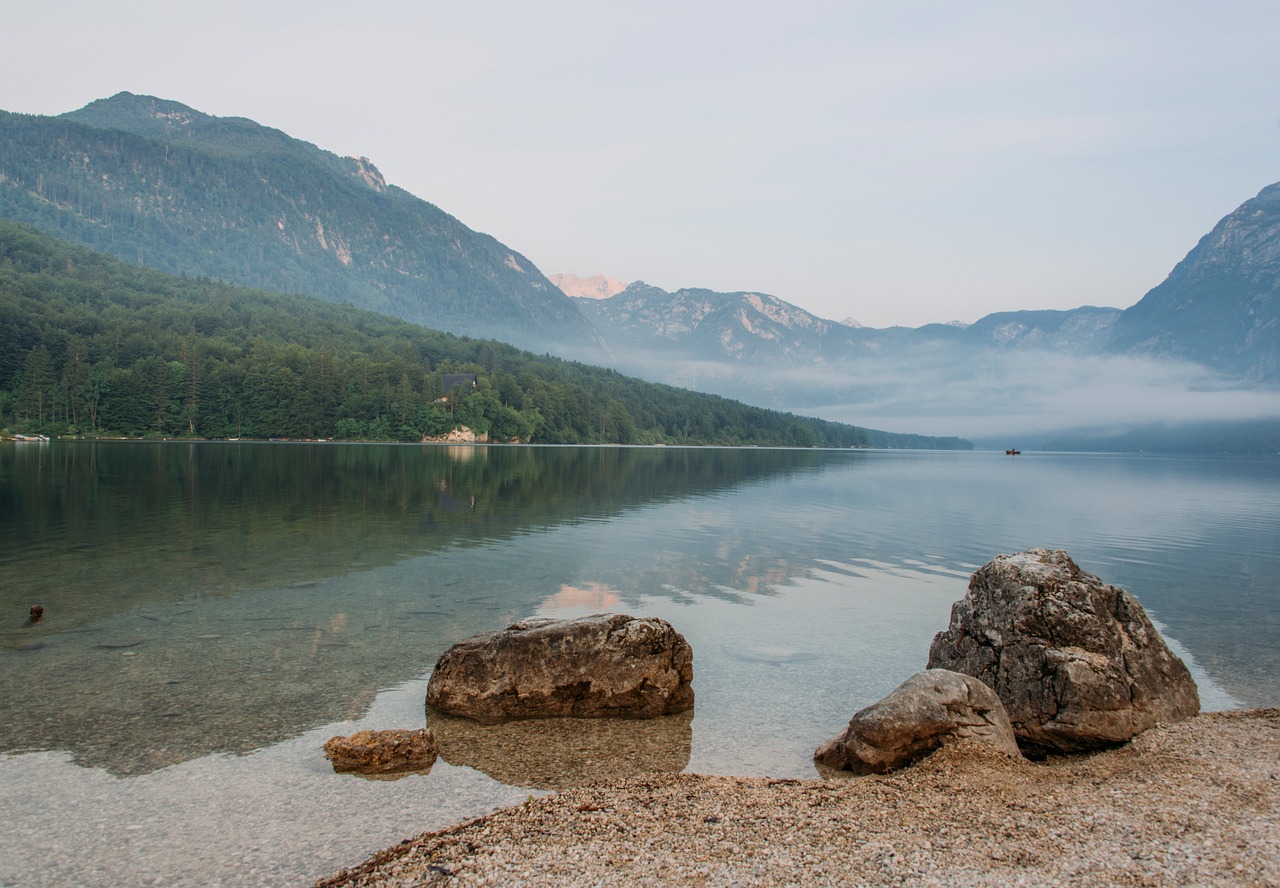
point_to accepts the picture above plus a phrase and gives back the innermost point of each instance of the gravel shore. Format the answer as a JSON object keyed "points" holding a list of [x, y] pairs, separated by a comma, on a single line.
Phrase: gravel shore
{"points": [[1196, 803]]}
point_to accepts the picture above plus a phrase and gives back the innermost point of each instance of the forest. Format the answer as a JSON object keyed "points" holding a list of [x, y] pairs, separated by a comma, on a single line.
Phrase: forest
{"points": [[96, 347]]}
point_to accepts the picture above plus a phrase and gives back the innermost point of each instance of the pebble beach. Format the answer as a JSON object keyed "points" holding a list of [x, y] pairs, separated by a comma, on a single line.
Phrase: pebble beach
{"points": [[1196, 802]]}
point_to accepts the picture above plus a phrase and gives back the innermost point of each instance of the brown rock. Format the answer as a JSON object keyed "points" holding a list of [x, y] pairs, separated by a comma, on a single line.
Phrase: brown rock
{"points": [[605, 665], [1076, 661], [928, 710], [383, 752]]}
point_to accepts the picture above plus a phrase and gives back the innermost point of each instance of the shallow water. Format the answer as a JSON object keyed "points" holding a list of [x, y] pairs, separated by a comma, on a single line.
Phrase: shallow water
{"points": [[214, 612]]}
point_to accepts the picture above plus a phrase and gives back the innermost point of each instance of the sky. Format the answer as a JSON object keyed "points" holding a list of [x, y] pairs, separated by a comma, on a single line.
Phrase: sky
{"points": [[896, 163]]}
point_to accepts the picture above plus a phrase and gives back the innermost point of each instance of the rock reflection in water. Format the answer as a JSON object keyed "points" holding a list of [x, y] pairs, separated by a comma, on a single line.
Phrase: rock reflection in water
{"points": [[559, 753]]}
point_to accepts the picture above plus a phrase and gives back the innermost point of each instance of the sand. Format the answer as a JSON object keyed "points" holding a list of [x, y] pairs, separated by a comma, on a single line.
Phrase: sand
{"points": [[1196, 803]]}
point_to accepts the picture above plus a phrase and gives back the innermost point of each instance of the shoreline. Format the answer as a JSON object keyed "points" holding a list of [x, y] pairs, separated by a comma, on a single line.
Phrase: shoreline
{"points": [[1196, 802]]}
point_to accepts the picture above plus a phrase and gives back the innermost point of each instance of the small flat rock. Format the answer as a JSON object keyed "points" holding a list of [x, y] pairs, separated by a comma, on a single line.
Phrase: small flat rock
{"points": [[379, 753]]}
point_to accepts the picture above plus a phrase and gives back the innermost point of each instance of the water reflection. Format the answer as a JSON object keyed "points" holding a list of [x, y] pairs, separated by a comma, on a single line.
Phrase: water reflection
{"points": [[214, 613], [559, 753], [220, 598], [593, 597], [204, 598], [95, 529]]}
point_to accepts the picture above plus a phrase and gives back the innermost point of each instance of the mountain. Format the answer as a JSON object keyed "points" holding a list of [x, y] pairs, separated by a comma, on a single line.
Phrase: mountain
{"points": [[595, 287], [160, 184], [1199, 348], [1220, 306], [698, 324], [1086, 329], [94, 345], [704, 324]]}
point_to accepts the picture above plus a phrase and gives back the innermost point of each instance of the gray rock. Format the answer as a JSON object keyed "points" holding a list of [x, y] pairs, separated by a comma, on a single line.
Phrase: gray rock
{"points": [[1076, 661], [928, 710], [605, 665], [379, 753]]}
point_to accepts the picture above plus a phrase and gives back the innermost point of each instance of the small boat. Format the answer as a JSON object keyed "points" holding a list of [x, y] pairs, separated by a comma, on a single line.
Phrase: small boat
{"points": [[1012, 452], [43, 439]]}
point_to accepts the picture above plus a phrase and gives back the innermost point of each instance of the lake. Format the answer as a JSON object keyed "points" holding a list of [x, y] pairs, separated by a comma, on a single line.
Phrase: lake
{"points": [[214, 612]]}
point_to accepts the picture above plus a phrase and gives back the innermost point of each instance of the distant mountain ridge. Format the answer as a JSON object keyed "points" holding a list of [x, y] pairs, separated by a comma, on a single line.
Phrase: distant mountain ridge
{"points": [[697, 322], [743, 326], [1200, 348], [1217, 308], [156, 182]]}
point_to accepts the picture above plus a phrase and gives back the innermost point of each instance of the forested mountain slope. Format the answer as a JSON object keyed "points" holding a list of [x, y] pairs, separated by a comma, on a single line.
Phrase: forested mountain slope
{"points": [[160, 184], [94, 345]]}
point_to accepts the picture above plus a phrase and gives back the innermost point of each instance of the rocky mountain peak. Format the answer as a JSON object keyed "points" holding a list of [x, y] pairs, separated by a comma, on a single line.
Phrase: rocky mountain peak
{"points": [[143, 114], [1220, 306], [597, 286]]}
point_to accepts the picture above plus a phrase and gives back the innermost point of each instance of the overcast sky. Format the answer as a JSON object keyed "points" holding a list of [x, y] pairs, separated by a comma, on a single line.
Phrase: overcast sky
{"points": [[893, 162]]}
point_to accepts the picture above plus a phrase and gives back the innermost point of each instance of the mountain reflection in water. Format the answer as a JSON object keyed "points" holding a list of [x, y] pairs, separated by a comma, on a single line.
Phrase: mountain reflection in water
{"points": [[221, 597]]}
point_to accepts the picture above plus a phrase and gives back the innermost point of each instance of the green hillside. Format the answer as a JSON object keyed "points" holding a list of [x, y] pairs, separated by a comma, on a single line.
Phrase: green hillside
{"points": [[96, 346], [160, 184]]}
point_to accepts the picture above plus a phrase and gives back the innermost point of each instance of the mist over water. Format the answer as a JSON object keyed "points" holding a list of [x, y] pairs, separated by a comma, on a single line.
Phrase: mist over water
{"points": [[941, 389], [1028, 393], [214, 612]]}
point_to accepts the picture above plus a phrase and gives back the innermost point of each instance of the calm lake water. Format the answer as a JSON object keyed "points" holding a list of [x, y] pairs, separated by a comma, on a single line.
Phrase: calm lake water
{"points": [[214, 612]]}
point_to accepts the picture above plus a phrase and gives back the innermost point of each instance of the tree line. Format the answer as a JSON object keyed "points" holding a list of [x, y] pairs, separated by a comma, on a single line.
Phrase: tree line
{"points": [[95, 346]]}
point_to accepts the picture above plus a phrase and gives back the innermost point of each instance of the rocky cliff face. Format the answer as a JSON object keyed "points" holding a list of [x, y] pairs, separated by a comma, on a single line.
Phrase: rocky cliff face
{"points": [[1220, 306], [159, 183], [1084, 329], [697, 323]]}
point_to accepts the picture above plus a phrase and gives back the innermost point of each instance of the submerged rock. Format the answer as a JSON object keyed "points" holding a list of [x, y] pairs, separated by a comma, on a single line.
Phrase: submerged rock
{"points": [[1076, 661], [378, 753], [605, 665], [559, 753], [928, 710], [774, 656]]}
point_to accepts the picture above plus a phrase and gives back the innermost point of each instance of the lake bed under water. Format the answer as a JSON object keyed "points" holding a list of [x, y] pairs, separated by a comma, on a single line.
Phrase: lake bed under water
{"points": [[215, 612]]}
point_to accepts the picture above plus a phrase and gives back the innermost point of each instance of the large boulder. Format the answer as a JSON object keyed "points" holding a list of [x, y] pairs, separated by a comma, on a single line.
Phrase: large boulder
{"points": [[383, 753], [1075, 660], [605, 665], [928, 710]]}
